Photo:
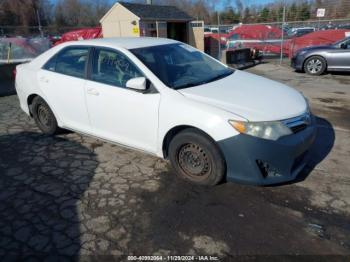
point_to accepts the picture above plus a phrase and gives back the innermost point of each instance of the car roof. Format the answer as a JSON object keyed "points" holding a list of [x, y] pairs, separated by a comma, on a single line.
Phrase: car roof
{"points": [[125, 42]]}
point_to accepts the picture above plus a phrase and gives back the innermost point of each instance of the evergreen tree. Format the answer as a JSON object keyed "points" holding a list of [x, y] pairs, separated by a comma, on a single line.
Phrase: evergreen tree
{"points": [[292, 12], [303, 12], [264, 14]]}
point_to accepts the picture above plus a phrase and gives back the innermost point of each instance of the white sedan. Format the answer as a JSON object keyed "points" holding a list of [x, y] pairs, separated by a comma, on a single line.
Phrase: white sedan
{"points": [[168, 99]]}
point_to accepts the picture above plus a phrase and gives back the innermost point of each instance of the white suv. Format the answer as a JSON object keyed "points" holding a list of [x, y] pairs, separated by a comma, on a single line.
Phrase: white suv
{"points": [[173, 101]]}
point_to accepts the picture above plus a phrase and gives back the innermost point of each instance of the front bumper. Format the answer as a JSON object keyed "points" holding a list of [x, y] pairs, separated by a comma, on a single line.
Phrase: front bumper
{"points": [[297, 62], [252, 160]]}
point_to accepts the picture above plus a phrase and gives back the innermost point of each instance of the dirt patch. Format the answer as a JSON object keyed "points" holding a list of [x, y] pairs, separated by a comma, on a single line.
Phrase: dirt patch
{"points": [[232, 219], [344, 81], [338, 116], [327, 100]]}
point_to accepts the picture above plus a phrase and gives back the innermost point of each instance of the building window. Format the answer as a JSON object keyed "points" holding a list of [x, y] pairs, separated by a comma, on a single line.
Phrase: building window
{"points": [[194, 24]]}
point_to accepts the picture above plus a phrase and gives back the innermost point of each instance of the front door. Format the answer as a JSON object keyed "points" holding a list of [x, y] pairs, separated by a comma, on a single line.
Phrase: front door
{"points": [[62, 81], [117, 113]]}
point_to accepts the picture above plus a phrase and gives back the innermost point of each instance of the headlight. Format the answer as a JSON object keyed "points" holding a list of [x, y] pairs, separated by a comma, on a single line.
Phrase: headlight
{"points": [[267, 130]]}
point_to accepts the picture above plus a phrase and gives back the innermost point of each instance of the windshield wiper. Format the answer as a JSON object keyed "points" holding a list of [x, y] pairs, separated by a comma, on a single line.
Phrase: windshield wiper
{"points": [[187, 85], [220, 76]]}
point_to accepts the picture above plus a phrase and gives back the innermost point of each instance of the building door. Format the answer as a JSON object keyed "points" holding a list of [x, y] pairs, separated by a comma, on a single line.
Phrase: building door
{"points": [[177, 31]]}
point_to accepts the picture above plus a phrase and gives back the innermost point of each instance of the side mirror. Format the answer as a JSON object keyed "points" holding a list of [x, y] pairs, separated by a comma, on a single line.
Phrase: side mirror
{"points": [[343, 46], [137, 83]]}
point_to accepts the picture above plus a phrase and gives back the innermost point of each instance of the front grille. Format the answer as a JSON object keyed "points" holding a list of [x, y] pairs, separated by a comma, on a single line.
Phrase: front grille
{"points": [[296, 129], [299, 123]]}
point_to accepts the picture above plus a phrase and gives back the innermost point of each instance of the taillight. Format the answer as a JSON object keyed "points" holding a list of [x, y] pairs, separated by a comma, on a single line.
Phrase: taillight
{"points": [[14, 73]]}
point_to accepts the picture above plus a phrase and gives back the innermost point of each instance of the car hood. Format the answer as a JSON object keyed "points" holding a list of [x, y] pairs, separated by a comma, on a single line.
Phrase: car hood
{"points": [[250, 96]]}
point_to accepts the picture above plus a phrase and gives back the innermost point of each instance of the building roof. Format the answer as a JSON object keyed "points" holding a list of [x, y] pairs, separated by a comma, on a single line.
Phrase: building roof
{"points": [[157, 12]]}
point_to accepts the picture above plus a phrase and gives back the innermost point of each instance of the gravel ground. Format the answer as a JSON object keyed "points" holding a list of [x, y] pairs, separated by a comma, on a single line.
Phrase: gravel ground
{"points": [[72, 195]]}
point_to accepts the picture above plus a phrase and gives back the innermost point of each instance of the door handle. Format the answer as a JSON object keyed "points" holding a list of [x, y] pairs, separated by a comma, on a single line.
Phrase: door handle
{"points": [[93, 91], [44, 79]]}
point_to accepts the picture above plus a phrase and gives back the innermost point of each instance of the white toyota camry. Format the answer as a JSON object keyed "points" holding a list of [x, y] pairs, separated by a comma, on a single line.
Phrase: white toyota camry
{"points": [[166, 98]]}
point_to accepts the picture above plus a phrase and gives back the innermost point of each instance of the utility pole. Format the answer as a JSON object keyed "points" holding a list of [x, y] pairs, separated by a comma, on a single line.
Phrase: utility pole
{"points": [[39, 22], [283, 23], [219, 57]]}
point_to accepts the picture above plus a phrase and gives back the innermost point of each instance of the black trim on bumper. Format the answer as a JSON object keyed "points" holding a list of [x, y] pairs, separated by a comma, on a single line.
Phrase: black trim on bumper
{"points": [[257, 161], [297, 62]]}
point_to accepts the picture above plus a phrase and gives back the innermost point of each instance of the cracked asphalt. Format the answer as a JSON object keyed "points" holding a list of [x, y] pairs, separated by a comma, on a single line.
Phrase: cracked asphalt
{"points": [[72, 197]]}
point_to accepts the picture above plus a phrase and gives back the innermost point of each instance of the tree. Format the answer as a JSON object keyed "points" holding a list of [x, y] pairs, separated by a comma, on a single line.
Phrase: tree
{"points": [[303, 12], [292, 12], [23, 13], [78, 13], [230, 16], [246, 15], [264, 14]]}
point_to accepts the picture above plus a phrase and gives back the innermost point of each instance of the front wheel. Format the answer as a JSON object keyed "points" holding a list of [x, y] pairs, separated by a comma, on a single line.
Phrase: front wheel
{"points": [[315, 65], [196, 158]]}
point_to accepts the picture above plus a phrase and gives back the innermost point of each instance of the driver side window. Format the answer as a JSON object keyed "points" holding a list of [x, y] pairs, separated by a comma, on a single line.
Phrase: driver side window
{"points": [[113, 68]]}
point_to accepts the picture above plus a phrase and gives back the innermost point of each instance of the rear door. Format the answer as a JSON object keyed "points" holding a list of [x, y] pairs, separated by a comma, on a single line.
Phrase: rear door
{"points": [[62, 80]]}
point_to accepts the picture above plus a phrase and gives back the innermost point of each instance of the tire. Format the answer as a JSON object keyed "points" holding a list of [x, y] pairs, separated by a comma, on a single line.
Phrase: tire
{"points": [[44, 117], [196, 158], [315, 65]]}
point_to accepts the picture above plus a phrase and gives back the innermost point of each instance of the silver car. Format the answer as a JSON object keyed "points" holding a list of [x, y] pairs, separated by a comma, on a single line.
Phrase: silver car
{"points": [[316, 60]]}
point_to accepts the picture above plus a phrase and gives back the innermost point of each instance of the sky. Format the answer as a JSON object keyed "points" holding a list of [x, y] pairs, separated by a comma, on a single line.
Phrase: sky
{"points": [[222, 3], [246, 2]]}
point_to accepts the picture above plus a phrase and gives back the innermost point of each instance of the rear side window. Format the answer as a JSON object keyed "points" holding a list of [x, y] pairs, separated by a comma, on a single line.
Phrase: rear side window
{"points": [[51, 64], [70, 61]]}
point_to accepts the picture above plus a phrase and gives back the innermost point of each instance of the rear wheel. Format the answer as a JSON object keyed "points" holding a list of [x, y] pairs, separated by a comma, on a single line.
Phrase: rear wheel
{"points": [[44, 117], [196, 158], [315, 65]]}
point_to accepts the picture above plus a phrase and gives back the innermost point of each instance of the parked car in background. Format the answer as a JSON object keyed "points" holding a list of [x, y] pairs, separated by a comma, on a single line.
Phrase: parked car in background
{"points": [[344, 26], [173, 101], [297, 32], [317, 38], [54, 38], [80, 34], [316, 60], [207, 30], [214, 30]]}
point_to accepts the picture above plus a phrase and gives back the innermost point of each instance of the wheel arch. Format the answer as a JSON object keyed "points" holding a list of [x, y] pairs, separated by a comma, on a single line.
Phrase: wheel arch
{"points": [[176, 130], [30, 99]]}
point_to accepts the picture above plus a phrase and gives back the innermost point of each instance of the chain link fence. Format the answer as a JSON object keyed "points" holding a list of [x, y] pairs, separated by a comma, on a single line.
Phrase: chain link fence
{"points": [[274, 40], [19, 43]]}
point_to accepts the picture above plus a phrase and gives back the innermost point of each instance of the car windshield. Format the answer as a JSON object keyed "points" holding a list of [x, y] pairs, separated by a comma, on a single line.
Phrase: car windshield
{"points": [[341, 41], [180, 65]]}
